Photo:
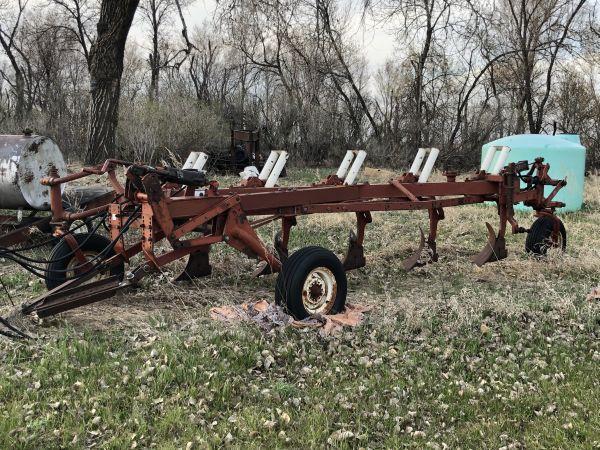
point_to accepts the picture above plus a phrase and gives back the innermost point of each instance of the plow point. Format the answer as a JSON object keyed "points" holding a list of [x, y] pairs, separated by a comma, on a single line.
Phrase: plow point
{"points": [[413, 260], [197, 266], [355, 258], [494, 250]]}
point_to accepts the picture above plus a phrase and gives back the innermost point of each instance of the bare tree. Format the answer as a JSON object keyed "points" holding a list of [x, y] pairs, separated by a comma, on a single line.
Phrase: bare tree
{"points": [[202, 66], [323, 10], [424, 22], [545, 25], [8, 35], [79, 16], [465, 72], [158, 15]]}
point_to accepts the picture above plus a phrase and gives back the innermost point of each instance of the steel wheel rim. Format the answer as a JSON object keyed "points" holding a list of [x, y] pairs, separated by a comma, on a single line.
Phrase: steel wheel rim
{"points": [[319, 291], [553, 242]]}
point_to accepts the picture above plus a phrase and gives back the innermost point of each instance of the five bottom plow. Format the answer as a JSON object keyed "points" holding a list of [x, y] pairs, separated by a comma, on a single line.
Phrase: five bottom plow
{"points": [[160, 215]]}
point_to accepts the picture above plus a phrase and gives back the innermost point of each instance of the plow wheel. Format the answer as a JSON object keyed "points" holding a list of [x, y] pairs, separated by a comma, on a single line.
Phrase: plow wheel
{"points": [[546, 232], [65, 264], [312, 282]]}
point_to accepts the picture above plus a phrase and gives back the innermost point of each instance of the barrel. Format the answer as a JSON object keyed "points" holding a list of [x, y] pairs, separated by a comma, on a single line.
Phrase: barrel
{"points": [[24, 161], [563, 152]]}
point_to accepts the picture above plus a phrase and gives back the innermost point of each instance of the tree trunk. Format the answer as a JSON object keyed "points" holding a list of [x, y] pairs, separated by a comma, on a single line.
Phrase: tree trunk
{"points": [[20, 95], [417, 125], [154, 57], [154, 75], [106, 68], [19, 85]]}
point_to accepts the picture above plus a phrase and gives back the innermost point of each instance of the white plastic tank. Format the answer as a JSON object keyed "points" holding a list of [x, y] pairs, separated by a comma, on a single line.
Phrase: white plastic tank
{"points": [[24, 160]]}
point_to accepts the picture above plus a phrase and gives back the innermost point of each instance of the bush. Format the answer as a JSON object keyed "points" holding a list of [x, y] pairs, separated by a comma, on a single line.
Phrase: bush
{"points": [[151, 131]]}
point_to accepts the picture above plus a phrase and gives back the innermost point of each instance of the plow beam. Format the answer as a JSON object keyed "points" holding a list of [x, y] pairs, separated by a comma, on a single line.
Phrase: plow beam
{"points": [[78, 292], [67, 299], [283, 236], [494, 250]]}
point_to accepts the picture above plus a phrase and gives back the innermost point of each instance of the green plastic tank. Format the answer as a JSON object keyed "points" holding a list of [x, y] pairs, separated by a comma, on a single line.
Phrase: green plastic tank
{"points": [[563, 152]]}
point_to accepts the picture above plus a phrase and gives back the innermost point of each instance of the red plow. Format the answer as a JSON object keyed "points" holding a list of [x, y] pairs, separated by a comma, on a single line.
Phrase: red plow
{"points": [[191, 213]]}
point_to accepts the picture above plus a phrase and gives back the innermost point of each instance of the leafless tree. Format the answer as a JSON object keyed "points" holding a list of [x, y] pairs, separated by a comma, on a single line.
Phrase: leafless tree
{"points": [[202, 67], [158, 14], [537, 32], [465, 72], [424, 23], [8, 35], [79, 17]]}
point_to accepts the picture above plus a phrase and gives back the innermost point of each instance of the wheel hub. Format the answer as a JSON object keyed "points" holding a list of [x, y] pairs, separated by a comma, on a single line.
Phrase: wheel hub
{"points": [[76, 266], [319, 291]]}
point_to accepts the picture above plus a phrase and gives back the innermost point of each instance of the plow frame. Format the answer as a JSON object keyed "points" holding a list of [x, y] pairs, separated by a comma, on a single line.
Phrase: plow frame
{"points": [[162, 210]]}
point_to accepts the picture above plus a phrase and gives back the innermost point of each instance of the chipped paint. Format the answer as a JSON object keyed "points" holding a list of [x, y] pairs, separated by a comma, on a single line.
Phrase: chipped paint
{"points": [[24, 161]]}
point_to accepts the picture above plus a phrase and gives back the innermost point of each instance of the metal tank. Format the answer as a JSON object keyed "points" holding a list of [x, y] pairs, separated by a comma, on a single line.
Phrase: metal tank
{"points": [[24, 160]]}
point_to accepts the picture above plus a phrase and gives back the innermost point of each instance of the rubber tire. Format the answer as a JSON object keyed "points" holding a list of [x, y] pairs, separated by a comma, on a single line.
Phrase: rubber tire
{"points": [[540, 232], [288, 287], [96, 243], [288, 267]]}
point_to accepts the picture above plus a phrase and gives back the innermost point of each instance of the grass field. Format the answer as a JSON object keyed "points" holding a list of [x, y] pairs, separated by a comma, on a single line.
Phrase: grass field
{"points": [[451, 355]]}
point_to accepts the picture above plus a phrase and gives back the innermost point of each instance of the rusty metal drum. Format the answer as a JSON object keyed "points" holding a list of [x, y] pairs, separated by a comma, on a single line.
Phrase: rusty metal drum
{"points": [[24, 160]]}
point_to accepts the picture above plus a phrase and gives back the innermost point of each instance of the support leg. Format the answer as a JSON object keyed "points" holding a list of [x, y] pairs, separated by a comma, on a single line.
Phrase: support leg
{"points": [[355, 257], [417, 258], [435, 215], [283, 236]]}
